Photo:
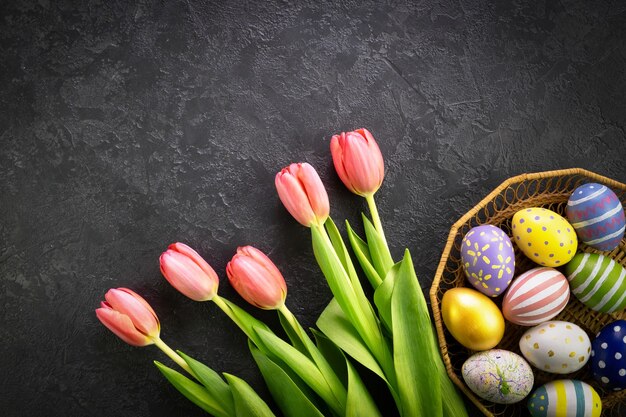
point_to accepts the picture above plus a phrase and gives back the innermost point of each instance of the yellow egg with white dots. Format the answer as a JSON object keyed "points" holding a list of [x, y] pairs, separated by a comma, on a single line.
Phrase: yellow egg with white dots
{"points": [[544, 236]]}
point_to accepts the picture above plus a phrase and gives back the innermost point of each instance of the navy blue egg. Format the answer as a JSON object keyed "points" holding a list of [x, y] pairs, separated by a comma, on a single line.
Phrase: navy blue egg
{"points": [[608, 356]]}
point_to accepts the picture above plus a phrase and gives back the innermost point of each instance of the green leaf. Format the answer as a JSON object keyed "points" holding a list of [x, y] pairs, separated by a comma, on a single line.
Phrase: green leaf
{"points": [[359, 242], [337, 278], [362, 253], [292, 399], [247, 402], [333, 355], [353, 302], [194, 392], [212, 382], [333, 381], [381, 258], [453, 405], [341, 251], [303, 367], [452, 402], [336, 326], [412, 346], [382, 296], [242, 318], [292, 334], [360, 402], [367, 314]]}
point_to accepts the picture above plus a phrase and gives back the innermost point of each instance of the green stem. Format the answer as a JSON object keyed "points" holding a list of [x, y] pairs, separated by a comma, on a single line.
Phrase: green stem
{"points": [[229, 312], [291, 319], [375, 217], [173, 355], [329, 242]]}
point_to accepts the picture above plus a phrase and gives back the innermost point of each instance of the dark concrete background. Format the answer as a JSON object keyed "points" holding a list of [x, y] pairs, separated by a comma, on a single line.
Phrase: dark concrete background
{"points": [[126, 126]]}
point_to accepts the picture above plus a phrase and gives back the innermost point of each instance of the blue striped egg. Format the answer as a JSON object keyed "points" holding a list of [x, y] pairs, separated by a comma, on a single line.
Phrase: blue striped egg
{"points": [[597, 216], [608, 356], [565, 398]]}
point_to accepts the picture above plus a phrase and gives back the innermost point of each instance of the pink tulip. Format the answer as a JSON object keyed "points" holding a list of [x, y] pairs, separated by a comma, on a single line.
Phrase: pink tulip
{"points": [[129, 316], [303, 194], [358, 161], [186, 271], [256, 278]]}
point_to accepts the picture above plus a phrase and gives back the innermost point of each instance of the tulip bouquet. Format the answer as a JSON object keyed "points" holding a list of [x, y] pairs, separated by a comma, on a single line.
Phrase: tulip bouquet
{"points": [[310, 373]]}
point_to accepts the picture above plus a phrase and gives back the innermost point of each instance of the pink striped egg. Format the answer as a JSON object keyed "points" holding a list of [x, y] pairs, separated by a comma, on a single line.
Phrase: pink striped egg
{"points": [[536, 296]]}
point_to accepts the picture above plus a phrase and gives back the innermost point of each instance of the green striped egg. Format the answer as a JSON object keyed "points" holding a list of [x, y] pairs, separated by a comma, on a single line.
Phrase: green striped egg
{"points": [[597, 281]]}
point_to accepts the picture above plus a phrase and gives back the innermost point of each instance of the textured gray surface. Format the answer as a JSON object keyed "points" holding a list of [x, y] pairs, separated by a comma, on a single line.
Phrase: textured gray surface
{"points": [[129, 125]]}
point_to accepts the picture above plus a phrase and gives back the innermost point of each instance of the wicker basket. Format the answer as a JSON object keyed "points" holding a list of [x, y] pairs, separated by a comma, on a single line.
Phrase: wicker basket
{"points": [[544, 189]]}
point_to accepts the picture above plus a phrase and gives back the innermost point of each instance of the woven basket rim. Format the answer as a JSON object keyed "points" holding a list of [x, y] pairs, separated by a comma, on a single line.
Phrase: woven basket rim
{"points": [[435, 303]]}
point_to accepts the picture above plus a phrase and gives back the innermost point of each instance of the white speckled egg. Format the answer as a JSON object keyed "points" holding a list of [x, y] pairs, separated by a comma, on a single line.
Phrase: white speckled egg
{"points": [[559, 347], [498, 376], [544, 236]]}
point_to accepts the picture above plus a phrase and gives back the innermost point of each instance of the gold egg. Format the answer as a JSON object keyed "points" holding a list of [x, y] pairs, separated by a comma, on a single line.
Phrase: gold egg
{"points": [[472, 318]]}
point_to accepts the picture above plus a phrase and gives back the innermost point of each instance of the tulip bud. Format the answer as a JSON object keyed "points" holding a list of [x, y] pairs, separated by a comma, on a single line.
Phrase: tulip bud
{"points": [[302, 193], [129, 316], [358, 161], [255, 277], [186, 271]]}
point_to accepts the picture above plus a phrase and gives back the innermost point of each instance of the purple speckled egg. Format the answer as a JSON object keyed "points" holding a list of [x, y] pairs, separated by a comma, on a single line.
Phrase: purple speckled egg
{"points": [[488, 259]]}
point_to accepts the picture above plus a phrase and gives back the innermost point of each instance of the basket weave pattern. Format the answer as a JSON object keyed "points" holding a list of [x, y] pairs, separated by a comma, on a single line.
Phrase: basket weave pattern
{"points": [[550, 190]]}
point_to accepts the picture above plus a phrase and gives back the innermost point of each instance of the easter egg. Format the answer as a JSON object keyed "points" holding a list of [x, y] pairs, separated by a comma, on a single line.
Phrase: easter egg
{"points": [[536, 296], [499, 376], [488, 259], [472, 318], [608, 356], [597, 281], [597, 215], [558, 347], [544, 236], [565, 398]]}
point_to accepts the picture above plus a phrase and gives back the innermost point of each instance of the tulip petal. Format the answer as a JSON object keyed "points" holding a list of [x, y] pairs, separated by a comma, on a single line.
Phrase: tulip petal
{"points": [[122, 326], [256, 278], [375, 154], [140, 299], [184, 274], [194, 256], [136, 308], [315, 191], [251, 283], [358, 161], [263, 261], [336, 151], [294, 198]]}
